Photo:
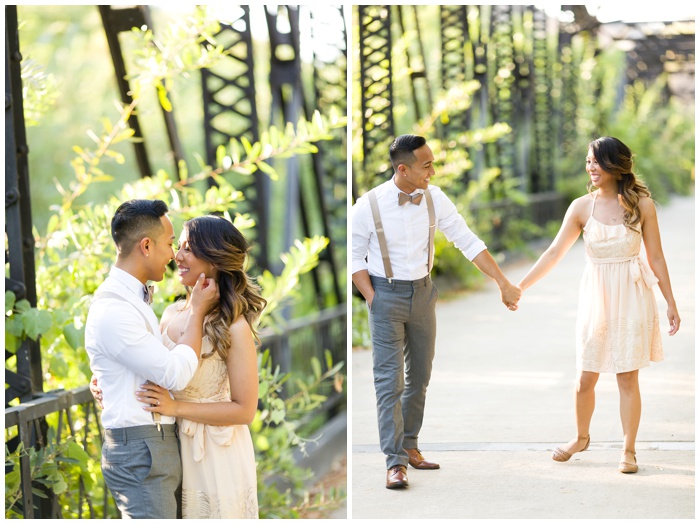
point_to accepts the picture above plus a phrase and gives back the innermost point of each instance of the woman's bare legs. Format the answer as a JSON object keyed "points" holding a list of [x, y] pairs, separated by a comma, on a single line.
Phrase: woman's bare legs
{"points": [[630, 411], [584, 401]]}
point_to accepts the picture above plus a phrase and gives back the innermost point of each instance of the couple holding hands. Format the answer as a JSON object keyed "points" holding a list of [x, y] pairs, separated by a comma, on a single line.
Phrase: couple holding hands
{"points": [[617, 328]]}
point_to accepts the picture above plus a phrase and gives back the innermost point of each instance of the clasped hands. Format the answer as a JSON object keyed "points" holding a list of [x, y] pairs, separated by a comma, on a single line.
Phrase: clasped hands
{"points": [[510, 295]]}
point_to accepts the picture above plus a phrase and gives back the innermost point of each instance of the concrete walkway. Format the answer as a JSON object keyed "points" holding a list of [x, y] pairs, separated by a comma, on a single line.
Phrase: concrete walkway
{"points": [[501, 398]]}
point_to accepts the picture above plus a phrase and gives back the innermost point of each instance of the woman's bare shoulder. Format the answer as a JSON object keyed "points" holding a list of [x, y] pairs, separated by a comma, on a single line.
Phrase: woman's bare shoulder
{"points": [[646, 204], [584, 201], [240, 329], [581, 207]]}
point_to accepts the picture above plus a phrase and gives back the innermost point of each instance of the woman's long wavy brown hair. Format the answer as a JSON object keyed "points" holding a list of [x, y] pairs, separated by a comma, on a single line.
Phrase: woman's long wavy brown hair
{"points": [[216, 240], [616, 158]]}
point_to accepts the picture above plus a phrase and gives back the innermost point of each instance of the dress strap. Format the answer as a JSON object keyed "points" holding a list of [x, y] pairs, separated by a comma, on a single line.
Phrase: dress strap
{"points": [[595, 197]]}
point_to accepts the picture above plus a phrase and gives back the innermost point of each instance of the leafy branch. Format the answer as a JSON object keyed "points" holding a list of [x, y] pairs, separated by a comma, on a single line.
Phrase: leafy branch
{"points": [[284, 413], [23, 321], [246, 158], [86, 164], [301, 258], [185, 46], [49, 466]]}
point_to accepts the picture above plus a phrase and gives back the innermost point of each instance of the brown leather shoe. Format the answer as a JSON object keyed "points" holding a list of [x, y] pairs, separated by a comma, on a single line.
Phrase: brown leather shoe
{"points": [[396, 477], [416, 460]]}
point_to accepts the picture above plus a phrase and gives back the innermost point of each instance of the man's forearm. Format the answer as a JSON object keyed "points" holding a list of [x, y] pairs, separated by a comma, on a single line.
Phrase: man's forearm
{"points": [[192, 335], [510, 294], [364, 284], [488, 266]]}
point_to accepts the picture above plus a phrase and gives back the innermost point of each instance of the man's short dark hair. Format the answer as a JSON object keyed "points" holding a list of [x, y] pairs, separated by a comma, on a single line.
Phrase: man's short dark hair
{"points": [[402, 148], [134, 220]]}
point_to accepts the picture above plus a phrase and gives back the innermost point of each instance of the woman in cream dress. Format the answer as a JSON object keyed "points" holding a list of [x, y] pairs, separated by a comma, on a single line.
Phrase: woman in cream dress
{"points": [[617, 329], [214, 410]]}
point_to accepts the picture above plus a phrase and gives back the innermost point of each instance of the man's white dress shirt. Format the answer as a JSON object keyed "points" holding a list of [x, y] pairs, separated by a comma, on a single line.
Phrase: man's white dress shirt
{"points": [[406, 231], [124, 354]]}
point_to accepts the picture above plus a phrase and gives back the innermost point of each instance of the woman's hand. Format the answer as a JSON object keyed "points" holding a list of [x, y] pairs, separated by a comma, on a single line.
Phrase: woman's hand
{"points": [[674, 320], [96, 392], [157, 400]]}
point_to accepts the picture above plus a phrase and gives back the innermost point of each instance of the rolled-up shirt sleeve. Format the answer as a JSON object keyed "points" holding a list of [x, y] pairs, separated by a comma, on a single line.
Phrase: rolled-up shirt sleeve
{"points": [[132, 345], [360, 235], [455, 228]]}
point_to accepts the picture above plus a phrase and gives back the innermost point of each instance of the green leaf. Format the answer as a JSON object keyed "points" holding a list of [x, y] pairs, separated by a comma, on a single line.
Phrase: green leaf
{"points": [[9, 301], [316, 366], [277, 416], [22, 305], [257, 423], [123, 135], [255, 151], [247, 147], [261, 443], [267, 169], [11, 341], [76, 452], [235, 150], [38, 493], [59, 486], [263, 388], [220, 155], [74, 336], [163, 97], [12, 479], [182, 171], [13, 326], [36, 322], [118, 157]]}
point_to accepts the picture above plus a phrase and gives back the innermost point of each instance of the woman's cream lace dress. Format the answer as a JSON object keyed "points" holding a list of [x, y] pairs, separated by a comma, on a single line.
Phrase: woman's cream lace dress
{"points": [[218, 462], [617, 328]]}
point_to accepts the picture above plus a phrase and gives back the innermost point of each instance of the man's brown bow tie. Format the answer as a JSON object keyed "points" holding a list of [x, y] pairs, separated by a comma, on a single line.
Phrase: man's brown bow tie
{"points": [[413, 199], [148, 294]]}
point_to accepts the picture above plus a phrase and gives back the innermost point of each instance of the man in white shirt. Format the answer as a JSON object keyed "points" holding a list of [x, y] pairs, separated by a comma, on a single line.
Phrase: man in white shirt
{"points": [[140, 455], [402, 303]]}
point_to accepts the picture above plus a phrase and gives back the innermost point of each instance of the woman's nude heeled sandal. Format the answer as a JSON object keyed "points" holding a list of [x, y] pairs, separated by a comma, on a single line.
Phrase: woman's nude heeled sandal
{"points": [[562, 456]]}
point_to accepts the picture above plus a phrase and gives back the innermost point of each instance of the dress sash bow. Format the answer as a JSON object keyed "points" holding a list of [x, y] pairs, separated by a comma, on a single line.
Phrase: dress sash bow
{"points": [[640, 271], [221, 435]]}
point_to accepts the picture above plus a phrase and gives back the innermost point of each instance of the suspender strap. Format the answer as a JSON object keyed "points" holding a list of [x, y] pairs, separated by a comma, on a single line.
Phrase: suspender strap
{"points": [[381, 238], [380, 234], [431, 228], [109, 294]]}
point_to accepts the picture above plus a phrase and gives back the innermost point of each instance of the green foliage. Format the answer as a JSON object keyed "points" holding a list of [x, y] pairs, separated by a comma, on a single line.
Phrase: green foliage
{"points": [[182, 47], [23, 321], [53, 467], [301, 258], [360, 323], [644, 118], [277, 430], [451, 269], [38, 92], [662, 137]]}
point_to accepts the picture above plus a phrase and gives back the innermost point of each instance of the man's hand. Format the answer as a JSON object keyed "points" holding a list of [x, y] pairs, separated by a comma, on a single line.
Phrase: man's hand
{"points": [[364, 285], [510, 295], [96, 392], [205, 295]]}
